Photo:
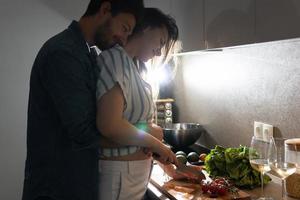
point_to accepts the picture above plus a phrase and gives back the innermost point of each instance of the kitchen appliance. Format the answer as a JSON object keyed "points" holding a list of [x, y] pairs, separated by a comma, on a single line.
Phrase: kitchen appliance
{"points": [[164, 114], [182, 134], [292, 155]]}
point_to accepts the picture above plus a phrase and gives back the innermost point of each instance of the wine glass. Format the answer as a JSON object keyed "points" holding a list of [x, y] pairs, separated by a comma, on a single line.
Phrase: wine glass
{"points": [[259, 155], [278, 162]]}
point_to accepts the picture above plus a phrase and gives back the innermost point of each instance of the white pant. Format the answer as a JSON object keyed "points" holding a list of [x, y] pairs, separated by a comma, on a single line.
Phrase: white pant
{"points": [[123, 180]]}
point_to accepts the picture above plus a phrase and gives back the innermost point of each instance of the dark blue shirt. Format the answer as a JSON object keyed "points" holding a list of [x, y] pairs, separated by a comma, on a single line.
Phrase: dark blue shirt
{"points": [[62, 139]]}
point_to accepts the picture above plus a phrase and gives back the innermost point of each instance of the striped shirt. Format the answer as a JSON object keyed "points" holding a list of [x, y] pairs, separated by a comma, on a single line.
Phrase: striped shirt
{"points": [[116, 67]]}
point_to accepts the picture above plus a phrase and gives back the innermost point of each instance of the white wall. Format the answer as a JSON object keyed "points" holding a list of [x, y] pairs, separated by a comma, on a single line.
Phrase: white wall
{"points": [[25, 26]]}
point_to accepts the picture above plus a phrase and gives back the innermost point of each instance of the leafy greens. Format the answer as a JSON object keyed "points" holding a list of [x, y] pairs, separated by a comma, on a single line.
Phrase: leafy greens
{"points": [[234, 164]]}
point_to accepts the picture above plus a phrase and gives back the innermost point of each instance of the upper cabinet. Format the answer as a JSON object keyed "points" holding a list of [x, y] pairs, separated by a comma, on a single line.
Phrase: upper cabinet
{"points": [[229, 23], [163, 5], [277, 19], [206, 24], [189, 19]]}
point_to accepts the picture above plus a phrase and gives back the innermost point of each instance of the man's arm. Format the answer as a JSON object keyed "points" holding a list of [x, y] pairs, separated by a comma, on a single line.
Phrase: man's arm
{"points": [[66, 81]]}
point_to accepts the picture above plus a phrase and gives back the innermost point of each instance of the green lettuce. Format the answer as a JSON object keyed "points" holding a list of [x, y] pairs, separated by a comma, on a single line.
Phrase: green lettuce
{"points": [[234, 164]]}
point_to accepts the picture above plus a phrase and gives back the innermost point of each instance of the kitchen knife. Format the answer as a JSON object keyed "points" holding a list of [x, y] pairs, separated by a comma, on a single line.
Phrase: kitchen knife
{"points": [[189, 171]]}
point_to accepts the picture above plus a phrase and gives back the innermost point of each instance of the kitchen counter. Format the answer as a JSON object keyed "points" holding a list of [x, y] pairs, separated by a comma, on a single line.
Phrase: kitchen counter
{"points": [[273, 189]]}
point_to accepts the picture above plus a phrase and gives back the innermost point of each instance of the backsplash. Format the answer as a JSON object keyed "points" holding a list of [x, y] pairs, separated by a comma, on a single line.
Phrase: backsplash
{"points": [[227, 91]]}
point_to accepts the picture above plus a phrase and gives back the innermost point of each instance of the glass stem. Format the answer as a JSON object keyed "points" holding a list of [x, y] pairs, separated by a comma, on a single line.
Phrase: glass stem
{"points": [[262, 183], [282, 189]]}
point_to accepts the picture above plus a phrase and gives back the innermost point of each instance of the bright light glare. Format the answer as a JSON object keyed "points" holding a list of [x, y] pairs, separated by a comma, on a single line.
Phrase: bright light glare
{"points": [[156, 75], [213, 71]]}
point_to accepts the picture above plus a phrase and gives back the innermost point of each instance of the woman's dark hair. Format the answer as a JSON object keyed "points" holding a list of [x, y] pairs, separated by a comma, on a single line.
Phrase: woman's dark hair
{"points": [[135, 7], [154, 18]]}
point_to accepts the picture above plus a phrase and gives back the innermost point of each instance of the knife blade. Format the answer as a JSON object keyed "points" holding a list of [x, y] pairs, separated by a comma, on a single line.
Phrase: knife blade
{"points": [[193, 173]]}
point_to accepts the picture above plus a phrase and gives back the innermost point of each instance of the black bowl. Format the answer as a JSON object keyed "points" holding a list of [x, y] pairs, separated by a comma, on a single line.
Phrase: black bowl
{"points": [[182, 134]]}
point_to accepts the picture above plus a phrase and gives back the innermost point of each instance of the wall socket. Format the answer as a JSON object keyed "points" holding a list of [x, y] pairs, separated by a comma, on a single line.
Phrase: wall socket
{"points": [[263, 130]]}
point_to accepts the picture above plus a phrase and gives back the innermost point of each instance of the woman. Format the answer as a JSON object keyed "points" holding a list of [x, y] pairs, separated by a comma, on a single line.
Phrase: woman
{"points": [[125, 110]]}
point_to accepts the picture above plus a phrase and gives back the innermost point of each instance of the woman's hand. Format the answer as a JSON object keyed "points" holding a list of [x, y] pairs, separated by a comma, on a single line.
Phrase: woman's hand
{"points": [[163, 154], [190, 175], [178, 175]]}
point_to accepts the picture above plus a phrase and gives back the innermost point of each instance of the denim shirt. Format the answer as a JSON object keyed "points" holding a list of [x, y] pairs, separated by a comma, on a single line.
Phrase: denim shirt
{"points": [[62, 138]]}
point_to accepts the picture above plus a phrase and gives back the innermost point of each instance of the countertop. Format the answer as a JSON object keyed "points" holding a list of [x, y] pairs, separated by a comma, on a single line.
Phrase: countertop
{"points": [[272, 189]]}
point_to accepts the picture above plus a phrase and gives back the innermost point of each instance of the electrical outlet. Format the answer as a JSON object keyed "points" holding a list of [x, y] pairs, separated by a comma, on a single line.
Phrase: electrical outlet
{"points": [[267, 131], [262, 130], [258, 129]]}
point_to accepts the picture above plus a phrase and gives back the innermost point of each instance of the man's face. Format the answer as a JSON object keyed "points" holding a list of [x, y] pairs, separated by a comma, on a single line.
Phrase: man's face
{"points": [[114, 30], [152, 42]]}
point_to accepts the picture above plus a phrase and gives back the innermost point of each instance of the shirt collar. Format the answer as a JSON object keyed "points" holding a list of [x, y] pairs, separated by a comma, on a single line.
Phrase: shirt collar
{"points": [[75, 29], [95, 48]]}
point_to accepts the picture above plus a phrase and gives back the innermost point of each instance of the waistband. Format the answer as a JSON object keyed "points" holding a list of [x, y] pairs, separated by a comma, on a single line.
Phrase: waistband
{"points": [[120, 151], [125, 166]]}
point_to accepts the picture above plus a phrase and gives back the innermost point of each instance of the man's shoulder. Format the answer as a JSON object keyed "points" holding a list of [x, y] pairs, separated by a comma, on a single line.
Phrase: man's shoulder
{"points": [[66, 41], [62, 47], [63, 41]]}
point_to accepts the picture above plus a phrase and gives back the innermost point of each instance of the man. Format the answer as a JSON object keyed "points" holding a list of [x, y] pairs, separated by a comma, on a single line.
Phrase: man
{"points": [[62, 139]]}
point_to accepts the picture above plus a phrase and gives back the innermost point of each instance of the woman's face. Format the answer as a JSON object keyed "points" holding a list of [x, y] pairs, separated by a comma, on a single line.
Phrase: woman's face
{"points": [[152, 41]]}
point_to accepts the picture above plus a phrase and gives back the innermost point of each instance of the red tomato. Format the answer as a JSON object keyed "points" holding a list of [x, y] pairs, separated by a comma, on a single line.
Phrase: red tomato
{"points": [[205, 188], [222, 190], [215, 188], [220, 181]]}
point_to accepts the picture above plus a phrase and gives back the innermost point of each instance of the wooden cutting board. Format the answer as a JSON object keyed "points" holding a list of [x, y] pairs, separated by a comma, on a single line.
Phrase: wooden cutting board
{"points": [[182, 190]]}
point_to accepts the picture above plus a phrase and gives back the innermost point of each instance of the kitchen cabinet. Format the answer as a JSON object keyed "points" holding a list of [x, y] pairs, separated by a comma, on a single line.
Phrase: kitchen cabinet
{"points": [[164, 5], [206, 24], [189, 19], [229, 23], [277, 19]]}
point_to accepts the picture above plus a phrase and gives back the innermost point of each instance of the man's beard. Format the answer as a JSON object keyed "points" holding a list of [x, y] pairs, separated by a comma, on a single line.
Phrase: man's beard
{"points": [[104, 38]]}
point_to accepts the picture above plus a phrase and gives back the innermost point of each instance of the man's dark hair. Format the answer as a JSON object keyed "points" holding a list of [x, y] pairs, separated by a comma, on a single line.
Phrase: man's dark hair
{"points": [[135, 7], [154, 18]]}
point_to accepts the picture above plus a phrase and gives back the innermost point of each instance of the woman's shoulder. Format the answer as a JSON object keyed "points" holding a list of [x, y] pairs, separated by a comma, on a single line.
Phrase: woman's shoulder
{"points": [[116, 58], [115, 50]]}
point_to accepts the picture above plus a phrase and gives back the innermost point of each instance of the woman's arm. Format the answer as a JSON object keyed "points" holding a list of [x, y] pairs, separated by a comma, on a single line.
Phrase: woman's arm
{"points": [[156, 131], [153, 129], [113, 126]]}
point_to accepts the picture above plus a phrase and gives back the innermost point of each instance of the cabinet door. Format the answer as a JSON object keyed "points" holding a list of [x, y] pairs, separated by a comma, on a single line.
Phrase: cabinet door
{"points": [[229, 23], [277, 19], [163, 5], [189, 18]]}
